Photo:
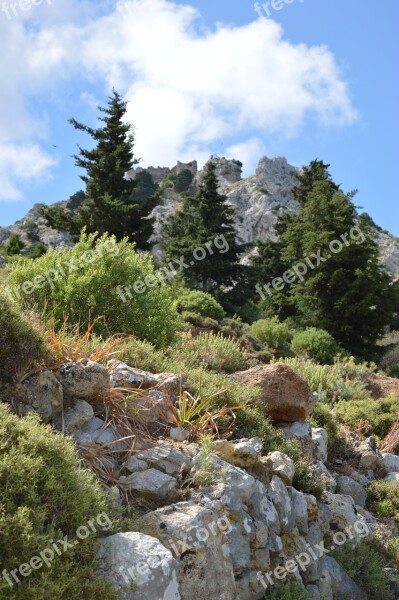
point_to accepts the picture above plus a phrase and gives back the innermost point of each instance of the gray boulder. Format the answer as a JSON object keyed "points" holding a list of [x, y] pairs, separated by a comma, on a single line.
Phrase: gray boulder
{"points": [[84, 379], [139, 566], [150, 483], [347, 485], [341, 584]]}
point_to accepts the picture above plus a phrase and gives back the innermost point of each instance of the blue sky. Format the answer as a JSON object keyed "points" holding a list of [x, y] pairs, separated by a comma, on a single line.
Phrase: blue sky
{"points": [[317, 78]]}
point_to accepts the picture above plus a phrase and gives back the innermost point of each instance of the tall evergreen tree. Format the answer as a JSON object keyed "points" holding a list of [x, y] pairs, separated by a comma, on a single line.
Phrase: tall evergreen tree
{"points": [[110, 204], [202, 219], [347, 292]]}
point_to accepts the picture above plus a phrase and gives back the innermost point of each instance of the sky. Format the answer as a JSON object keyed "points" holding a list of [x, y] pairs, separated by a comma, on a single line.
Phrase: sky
{"points": [[302, 79]]}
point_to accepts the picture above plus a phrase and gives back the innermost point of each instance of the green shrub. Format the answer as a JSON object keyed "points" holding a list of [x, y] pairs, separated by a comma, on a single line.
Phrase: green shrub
{"points": [[323, 416], [316, 344], [318, 377], [272, 334], [290, 591], [141, 355], [378, 414], [251, 420], [200, 321], [20, 344], [383, 498], [88, 292], [215, 352], [45, 496], [200, 303], [393, 371], [365, 565]]}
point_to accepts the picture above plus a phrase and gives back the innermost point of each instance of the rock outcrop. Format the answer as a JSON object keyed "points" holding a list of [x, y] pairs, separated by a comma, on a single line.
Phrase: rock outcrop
{"points": [[286, 397]]}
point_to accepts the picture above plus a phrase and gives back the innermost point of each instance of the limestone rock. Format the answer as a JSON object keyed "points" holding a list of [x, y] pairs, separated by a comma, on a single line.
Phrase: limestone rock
{"points": [[124, 376], [320, 471], [242, 453], [286, 397], [371, 458], [84, 379], [302, 432], [300, 510], [347, 485], [343, 515], [391, 463], [162, 457], [320, 444], [179, 434], [150, 483], [282, 501], [197, 537], [341, 584], [77, 415], [281, 465], [44, 393], [141, 560], [392, 477]]}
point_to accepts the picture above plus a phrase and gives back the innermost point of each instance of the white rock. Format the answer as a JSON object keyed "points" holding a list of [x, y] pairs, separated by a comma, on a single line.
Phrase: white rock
{"points": [[347, 485], [242, 453], [83, 379], [281, 465], [151, 483], [179, 434], [392, 477], [135, 558], [162, 457], [391, 463], [320, 444], [77, 415], [342, 585]]}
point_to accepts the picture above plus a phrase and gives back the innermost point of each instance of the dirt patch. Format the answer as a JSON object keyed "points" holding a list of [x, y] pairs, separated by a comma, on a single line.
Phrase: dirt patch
{"points": [[381, 386]]}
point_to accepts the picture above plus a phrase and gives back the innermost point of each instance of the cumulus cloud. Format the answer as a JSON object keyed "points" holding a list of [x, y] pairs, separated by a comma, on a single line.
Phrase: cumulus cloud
{"points": [[188, 88]]}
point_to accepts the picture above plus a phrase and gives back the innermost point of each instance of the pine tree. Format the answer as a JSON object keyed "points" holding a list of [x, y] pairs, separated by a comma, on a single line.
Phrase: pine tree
{"points": [[348, 293], [14, 245], [201, 220], [110, 204]]}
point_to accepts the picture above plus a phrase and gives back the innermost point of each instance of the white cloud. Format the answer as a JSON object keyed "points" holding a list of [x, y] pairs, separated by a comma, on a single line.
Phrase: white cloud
{"points": [[21, 163], [188, 88]]}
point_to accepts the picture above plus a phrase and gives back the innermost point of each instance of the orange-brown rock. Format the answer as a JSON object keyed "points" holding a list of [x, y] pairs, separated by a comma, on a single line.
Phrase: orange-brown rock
{"points": [[285, 395]]}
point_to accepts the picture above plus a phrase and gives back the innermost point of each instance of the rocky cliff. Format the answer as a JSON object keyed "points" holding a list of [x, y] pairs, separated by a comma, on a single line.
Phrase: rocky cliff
{"points": [[258, 200]]}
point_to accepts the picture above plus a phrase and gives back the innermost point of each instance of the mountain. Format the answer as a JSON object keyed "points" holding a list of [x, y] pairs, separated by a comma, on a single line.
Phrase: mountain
{"points": [[257, 200]]}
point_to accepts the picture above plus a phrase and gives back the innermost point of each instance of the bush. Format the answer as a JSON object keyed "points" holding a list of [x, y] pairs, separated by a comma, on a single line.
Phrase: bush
{"points": [[88, 292], [272, 334], [141, 355], [46, 496], [365, 565], [214, 352], [251, 420], [393, 371], [316, 344], [20, 344], [383, 498], [320, 378], [200, 303], [379, 415], [199, 321]]}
